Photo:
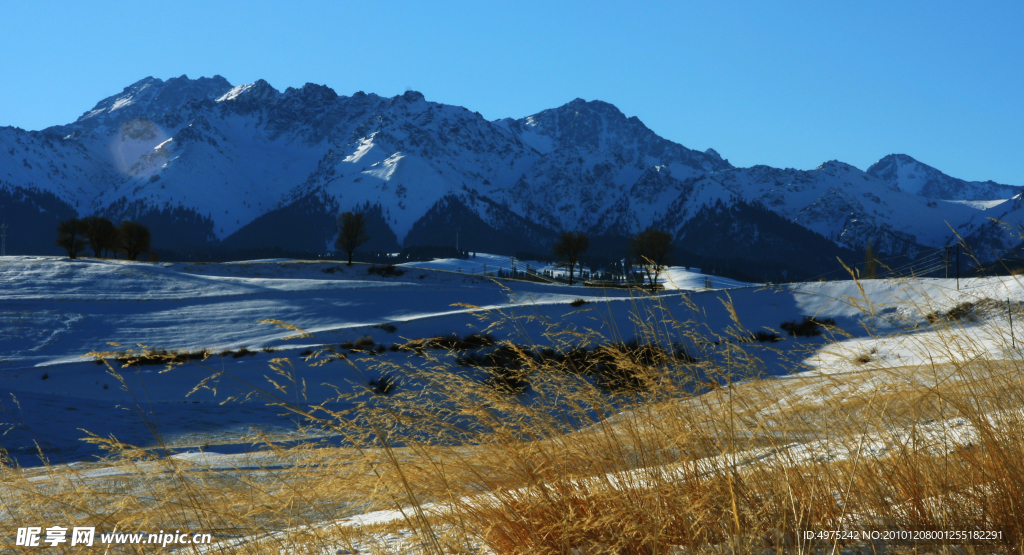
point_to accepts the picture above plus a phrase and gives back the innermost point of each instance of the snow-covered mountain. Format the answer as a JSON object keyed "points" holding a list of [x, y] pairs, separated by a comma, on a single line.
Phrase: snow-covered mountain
{"points": [[207, 164]]}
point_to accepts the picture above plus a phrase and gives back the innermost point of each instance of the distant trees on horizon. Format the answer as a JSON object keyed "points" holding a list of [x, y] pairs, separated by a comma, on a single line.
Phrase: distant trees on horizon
{"points": [[569, 248], [652, 248], [99, 234], [351, 233]]}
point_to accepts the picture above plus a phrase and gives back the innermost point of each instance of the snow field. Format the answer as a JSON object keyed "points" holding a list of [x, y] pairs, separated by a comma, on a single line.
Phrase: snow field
{"points": [[871, 401]]}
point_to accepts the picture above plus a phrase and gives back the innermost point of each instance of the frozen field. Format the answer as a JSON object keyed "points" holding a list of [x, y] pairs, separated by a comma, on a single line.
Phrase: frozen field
{"points": [[54, 312]]}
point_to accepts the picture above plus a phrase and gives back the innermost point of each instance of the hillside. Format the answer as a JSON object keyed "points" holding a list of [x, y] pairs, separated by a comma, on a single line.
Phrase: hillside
{"points": [[212, 167]]}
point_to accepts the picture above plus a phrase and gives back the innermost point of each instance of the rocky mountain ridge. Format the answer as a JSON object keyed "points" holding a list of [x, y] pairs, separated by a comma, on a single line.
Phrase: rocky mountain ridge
{"points": [[205, 163]]}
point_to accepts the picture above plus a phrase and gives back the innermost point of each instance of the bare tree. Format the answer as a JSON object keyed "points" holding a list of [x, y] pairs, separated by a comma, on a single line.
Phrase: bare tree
{"points": [[352, 233], [135, 239], [101, 234], [652, 247], [71, 236], [569, 248]]}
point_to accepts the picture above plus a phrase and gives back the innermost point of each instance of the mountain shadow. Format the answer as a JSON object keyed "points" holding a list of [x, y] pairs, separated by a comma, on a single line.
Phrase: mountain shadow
{"points": [[32, 217]]}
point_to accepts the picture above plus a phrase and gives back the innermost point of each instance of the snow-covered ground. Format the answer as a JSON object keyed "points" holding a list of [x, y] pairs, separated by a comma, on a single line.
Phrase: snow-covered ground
{"points": [[53, 311], [673, 277]]}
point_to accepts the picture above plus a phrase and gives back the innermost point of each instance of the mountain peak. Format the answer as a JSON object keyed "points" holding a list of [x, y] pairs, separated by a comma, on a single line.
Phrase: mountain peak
{"points": [[599, 106], [254, 91], [912, 176], [154, 97], [413, 96], [836, 165], [311, 92]]}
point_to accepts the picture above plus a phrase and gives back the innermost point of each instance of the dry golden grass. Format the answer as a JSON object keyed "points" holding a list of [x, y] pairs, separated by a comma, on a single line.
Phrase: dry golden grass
{"points": [[746, 466]]}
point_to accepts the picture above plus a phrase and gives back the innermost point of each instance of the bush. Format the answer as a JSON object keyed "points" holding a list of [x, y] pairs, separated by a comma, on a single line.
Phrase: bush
{"points": [[389, 270], [767, 337], [241, 352], [808, 327], [578, 302], [383, 385], [451, 342], [962, 311], [507, 380], [475, 340]]}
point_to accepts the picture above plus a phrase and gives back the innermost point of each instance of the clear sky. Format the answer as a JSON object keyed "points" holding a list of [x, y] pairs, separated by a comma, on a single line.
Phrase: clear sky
{"points": [[783, 83]]}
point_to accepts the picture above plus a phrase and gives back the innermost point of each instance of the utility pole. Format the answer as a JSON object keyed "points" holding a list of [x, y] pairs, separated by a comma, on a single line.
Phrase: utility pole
{"points": [[958, 266], [3, 241]]}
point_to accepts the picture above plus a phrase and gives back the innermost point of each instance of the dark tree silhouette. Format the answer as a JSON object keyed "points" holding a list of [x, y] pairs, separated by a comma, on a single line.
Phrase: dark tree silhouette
{"points": [[352, 233], [870, 262], [652, 248], [569, 248], [71, 236], [135, 239], [101, 234]]}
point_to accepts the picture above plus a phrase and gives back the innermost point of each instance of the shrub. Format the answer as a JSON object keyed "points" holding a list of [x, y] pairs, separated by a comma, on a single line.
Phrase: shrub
{"points": [[767, 337], [962, 311], [507, 380], [476, 340], [808, 327], [383, 385], [578, 302], [390, 328], [451, 342], [389, 270], [156, 357], [241, 352]]}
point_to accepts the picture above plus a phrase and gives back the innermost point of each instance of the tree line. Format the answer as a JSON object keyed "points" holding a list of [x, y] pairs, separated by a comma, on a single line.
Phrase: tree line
{"points": [[102, 237], [651, 247]]}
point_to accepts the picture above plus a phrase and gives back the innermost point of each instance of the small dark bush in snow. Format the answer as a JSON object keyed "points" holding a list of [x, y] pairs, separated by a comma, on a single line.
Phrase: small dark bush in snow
{"points": [[767, 337], [385, 271], [383, 385], [808, 327]]}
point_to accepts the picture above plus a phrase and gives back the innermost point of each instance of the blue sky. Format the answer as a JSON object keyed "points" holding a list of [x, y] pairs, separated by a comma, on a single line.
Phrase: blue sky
{"points": [[783, 83]]}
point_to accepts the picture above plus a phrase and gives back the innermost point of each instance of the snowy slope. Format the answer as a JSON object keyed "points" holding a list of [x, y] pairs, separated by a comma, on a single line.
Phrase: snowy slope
{"points": [[59, 310], [907, 174], [210, 162]]}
